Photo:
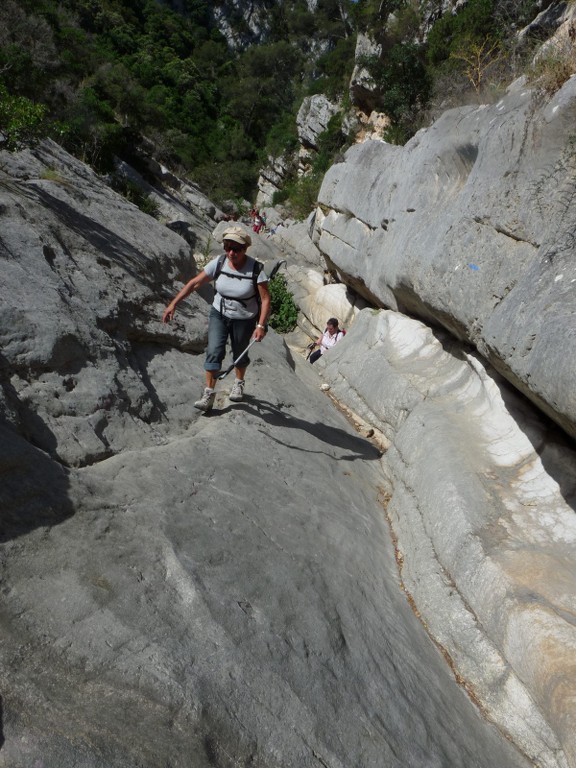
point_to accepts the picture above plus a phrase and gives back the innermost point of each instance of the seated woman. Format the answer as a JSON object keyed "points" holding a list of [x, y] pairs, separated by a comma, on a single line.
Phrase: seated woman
{"points": [[331, 335]]}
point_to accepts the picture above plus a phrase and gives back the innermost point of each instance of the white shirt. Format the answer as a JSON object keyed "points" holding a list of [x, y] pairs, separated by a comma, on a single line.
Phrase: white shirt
{"points": [[328, 339]]}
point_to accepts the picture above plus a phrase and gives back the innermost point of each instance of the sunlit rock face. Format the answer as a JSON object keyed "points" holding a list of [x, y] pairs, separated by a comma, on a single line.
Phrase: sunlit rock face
{"points": [[82, 295], [468, 227], [313, 118], [237, 588], [482, 510]]}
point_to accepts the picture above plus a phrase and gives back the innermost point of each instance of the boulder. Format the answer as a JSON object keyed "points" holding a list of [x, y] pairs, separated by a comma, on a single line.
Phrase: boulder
{"points": [[294, 241], [330, 300], [177, 201], [313, 118], [81, 305]]}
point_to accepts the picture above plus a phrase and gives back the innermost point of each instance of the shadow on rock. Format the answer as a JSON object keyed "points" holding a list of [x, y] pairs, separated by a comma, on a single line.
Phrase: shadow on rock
{"points": [[33, 490], [553, 446], [31, 427], [333, 436], [550, 442], [102, 239]]}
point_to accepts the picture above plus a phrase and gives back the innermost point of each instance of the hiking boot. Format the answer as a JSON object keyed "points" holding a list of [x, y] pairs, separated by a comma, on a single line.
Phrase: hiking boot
{"points": [[237, 391], [206, 401]]}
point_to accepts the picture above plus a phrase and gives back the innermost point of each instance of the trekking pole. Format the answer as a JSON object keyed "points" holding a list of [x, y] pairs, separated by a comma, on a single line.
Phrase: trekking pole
{"points": [[310, 347], [235, 363]]}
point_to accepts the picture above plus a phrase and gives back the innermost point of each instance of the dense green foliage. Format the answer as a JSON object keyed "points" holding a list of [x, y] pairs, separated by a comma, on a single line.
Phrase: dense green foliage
{"points": [[113, 71], [302, 191], [283, 310], [475, 22], [404, 82], [108, 77], [21, 121]]}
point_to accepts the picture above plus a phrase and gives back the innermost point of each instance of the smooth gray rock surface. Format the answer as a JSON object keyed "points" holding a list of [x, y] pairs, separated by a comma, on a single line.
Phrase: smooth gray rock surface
{"points": [[229, 596], [85, 277], [178, 589], [470, 227]]}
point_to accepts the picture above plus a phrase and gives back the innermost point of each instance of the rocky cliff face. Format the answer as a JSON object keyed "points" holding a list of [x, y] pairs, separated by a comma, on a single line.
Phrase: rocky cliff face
{"points": [[266, 585], [312, 119], [469, 227], [246, 23]]}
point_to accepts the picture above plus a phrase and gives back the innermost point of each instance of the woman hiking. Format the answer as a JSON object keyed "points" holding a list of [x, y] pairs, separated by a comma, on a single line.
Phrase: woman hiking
{"points": [[239, 311]]}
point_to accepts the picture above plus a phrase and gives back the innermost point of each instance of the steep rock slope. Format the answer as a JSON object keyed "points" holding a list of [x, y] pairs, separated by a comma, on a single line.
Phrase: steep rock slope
{"points": [[178, 589]]}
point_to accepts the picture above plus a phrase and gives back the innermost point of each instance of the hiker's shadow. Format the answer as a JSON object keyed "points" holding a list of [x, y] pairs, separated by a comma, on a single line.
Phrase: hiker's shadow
{"points": [[359, 447]]}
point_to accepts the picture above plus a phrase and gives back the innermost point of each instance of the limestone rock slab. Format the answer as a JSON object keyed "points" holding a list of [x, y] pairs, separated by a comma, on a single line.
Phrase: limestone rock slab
{"points": [[230, 595], [468, 227], [483, 512]]}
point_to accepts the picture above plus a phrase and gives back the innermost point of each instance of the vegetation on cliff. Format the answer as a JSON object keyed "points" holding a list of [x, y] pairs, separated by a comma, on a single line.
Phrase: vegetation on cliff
{"points": [[111, 73], [114, 77]]}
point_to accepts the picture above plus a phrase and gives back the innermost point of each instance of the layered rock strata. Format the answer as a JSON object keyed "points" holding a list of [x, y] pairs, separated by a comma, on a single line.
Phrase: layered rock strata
{"points": [[482, 509], [470, 227]]}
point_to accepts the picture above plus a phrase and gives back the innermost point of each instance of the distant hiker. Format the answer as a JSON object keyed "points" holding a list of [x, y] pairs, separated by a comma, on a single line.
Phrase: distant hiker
{"points": [[239, 311], [331, 335], [258, 223]]}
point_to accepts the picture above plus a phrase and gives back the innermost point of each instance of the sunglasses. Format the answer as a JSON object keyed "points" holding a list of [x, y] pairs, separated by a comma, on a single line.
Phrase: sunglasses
{"points": [[234, 248]]}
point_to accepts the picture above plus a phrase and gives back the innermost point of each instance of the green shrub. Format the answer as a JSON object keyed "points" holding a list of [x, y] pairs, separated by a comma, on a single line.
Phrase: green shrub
{"points": [[330, 143], [475, 22], [284, 312], [402, 79], [280, 196], [283, 136], [21, 121], [334, 69], [303, 194]]}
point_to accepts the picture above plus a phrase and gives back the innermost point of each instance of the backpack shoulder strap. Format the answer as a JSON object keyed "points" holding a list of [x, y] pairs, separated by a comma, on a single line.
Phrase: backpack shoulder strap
{"points": [[219, 265], [272, 271], [258, 267]]}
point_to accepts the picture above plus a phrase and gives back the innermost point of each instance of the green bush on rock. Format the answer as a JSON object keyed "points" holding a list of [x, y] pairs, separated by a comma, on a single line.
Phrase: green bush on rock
{"points": [[284, 312]]}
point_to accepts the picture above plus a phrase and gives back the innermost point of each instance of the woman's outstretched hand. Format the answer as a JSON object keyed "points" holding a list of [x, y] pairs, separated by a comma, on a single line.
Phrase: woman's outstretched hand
{"points": [[168, 313]]}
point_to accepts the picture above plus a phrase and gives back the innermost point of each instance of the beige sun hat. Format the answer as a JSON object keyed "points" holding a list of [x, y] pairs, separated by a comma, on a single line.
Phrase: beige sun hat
{"points": [[237, 235]]}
